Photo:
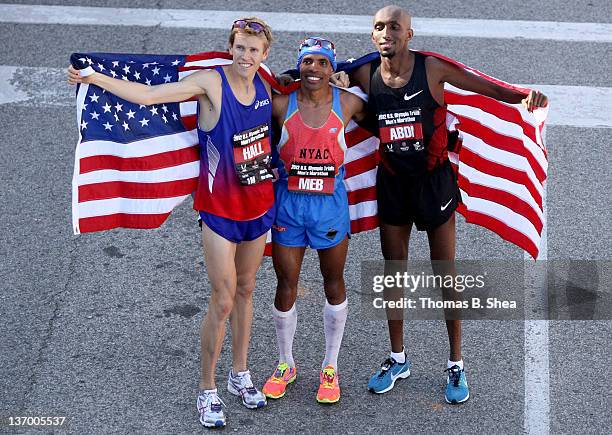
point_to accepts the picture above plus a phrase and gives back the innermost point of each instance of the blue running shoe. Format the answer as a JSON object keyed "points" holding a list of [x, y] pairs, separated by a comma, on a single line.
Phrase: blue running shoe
{"points": [[456, 387], [384, 379]]}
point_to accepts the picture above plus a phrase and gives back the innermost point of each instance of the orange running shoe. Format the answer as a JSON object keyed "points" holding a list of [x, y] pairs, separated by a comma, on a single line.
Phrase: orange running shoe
{"points": [[329, 389], [277, 383]]}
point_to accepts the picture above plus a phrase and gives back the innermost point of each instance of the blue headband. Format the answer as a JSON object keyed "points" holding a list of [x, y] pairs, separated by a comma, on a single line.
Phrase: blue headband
{"points": [[329, 53]]}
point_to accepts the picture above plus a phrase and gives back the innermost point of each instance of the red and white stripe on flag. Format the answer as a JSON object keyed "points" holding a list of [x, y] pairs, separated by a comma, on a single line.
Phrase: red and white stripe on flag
{"points": [[501, 163], [361, 162], [133, 185]]}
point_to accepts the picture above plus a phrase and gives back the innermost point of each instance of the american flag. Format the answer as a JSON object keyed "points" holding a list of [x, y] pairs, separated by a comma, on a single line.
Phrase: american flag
{"points": [[134, 163], [500, 161]]}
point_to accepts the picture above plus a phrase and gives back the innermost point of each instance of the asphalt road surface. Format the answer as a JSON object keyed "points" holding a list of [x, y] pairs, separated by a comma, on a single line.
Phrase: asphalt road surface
{"points": [[102, 328]]}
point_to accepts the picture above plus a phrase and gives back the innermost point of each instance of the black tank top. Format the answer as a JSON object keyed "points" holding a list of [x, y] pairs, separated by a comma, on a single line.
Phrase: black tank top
{"points": [[411, 125]]}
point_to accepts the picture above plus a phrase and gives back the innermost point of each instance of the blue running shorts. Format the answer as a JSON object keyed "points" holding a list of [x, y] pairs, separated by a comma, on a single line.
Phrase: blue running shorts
{"points": [[239, 231], [302, 219]]}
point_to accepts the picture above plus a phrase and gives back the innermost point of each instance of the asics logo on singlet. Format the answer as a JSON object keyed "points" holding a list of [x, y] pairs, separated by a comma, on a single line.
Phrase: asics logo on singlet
{"points": [[261, 103], [406, 97]]}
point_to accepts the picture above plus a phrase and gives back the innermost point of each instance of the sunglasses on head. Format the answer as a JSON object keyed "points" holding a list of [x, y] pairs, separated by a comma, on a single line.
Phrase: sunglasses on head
{"points": [[253, 25], [313, 42]]}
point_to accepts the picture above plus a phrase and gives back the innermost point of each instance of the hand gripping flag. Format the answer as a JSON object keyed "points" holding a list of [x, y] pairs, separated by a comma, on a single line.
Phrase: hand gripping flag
{"points": [[134, 163]]}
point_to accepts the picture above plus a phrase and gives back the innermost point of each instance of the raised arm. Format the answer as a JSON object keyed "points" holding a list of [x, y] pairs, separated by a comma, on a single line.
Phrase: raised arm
{"points": [[446, 72], [198, 83]]}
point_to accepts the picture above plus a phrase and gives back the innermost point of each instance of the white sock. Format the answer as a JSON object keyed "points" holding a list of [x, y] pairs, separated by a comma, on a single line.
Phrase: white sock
{"points": [[399, 357], [334, 319], [285, 323], [455, 363]]}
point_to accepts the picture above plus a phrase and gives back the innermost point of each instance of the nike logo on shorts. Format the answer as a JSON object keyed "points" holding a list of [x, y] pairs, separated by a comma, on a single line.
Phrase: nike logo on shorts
{"points": [[406, 97], [444, 207]]}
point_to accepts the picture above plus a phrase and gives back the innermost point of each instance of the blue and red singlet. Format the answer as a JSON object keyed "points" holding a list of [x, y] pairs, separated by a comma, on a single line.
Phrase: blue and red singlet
{"points": [[235, 182]]}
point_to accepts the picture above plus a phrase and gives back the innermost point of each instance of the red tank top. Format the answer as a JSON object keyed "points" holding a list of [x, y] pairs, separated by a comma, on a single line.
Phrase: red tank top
{"points": [[312, 159]]}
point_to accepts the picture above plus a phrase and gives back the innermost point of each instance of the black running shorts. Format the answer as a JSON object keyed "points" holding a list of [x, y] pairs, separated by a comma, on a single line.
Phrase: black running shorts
{"points": [[428, 200]]}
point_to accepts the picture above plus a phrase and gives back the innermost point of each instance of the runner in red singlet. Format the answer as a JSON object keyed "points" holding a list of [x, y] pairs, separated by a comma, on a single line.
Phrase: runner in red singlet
{"points": [[312, 208]]}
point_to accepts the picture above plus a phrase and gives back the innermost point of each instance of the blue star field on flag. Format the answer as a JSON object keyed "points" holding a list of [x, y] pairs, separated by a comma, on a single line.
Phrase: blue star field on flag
{"points": [[108, 117]]}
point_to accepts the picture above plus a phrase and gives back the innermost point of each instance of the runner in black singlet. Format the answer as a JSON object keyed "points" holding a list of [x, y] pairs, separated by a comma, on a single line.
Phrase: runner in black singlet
{"points": [[415, 184]]}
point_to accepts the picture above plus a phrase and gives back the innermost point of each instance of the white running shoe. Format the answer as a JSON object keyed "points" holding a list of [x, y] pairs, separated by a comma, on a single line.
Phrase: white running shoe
{"points": [[209, 406], [240, 384]]}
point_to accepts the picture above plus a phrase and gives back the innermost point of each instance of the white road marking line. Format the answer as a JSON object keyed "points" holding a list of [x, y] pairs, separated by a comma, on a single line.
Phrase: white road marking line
{"points": [[595, 103], [537, 378], [537, 363], [294, 22], [8, 91]]}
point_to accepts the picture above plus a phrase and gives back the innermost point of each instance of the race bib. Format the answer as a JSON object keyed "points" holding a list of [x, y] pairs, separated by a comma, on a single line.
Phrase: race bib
{"points": [[312, 178], [252, 155], [401, 131]]}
